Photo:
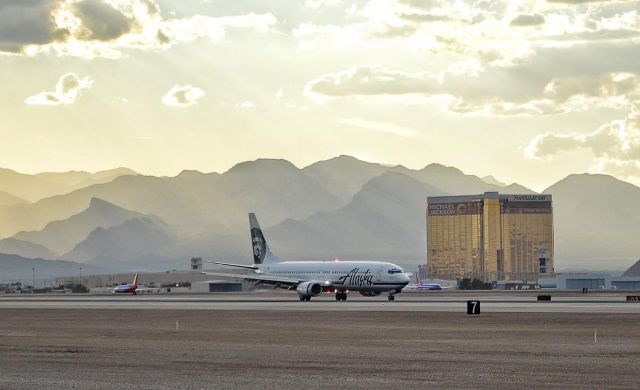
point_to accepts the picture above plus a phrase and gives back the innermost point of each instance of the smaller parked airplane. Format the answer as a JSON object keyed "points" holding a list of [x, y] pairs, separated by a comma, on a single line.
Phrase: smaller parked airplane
{"points": [[422, 285], [430, 286], [128, 288]]}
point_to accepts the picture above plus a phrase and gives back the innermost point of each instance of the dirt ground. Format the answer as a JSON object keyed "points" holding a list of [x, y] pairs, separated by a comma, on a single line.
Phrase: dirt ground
{"points": [[141, 349]]}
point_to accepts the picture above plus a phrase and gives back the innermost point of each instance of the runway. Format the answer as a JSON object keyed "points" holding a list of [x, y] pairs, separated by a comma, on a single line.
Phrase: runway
{"points": [[491, 302], [313, 349], [272, 340]]}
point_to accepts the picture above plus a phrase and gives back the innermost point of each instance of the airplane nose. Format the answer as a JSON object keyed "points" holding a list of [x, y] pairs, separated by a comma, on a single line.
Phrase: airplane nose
{"points": [[405, 278]]}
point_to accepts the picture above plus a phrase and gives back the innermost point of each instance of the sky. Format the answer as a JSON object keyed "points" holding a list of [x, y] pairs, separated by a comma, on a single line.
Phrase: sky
{"points": [[526, 91]]}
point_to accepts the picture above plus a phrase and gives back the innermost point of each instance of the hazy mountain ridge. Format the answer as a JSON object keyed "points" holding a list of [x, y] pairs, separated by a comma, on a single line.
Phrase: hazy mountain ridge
{"points": [[78, 179], [596, 221], [192, 203], [385, 220], [492, 180], [14, 267], [345, 175], [61, 236], [42, 185], [14, 246], [634, 270], [454, 181], [342, 207], [125, 245], [6, 199]]}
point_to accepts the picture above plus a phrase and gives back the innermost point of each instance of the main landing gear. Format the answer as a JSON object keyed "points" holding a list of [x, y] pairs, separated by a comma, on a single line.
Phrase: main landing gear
{"points": [[304, 298], [341, 296]]}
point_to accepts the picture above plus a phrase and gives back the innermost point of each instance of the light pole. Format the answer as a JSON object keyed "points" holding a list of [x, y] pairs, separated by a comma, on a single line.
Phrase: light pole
{"points": [[33, 279]]}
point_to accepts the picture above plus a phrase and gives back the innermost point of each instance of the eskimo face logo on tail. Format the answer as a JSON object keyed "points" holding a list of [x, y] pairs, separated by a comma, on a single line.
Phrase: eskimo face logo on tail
{"points": [[259, 245]]}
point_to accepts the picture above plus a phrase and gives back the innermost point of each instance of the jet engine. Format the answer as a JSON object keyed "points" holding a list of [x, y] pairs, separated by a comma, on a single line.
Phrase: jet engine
{"points": [[370, 293], [309, 289]]}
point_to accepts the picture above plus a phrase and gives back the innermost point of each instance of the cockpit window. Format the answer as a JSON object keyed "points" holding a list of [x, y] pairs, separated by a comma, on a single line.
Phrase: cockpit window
{"points": [[395, 271]]}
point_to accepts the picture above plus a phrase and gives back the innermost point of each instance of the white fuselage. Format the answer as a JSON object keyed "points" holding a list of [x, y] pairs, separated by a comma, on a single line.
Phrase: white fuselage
{"points": [[342, 275]]}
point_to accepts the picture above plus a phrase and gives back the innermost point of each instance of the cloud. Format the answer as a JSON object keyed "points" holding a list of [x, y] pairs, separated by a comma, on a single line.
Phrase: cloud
{"points": [[67, 90], [548, 144], [28, 22], [527, 20], [550, 82], [603, 86], [101, 20], [615, 146], [104, 28], [617, 140], [182, 96], [390, 31], [383, 127], [482, 31], [583, 1], [247, 105], [627, 170], [559, 95], [425, 17], [371, 80], [497, 107], [197, 26], [316, 4], [468, 94]]}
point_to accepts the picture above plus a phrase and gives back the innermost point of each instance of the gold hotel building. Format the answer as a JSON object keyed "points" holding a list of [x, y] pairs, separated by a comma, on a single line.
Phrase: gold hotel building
{"points": [[490, 237]]}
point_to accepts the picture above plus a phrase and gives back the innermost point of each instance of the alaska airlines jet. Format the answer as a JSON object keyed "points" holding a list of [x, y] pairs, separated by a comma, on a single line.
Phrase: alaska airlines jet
{"points": [[312, 278], [128, 288]]}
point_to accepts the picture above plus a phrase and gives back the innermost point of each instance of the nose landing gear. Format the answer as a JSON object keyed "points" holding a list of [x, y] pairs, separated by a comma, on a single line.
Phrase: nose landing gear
{"points": [[392, 294]]}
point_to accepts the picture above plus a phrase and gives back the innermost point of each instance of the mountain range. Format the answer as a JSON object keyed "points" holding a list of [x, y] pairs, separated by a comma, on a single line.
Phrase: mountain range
{"points": [[596, 222], [41, 185], [14, 268], [7, 199], [61, 236], [339, 208]]}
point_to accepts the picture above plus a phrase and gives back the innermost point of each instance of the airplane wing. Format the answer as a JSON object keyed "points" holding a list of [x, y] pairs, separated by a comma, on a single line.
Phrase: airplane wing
{"points": [[275, 281]]}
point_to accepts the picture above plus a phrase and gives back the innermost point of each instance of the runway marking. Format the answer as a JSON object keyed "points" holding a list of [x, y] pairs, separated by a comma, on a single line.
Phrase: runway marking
{"points": [[571, 304]]}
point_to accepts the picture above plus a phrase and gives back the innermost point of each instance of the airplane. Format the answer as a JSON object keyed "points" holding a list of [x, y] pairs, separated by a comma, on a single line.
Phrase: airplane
{"points": [[312, 278], [429, 286], [423, 285], [147, 290], [128, 288]]}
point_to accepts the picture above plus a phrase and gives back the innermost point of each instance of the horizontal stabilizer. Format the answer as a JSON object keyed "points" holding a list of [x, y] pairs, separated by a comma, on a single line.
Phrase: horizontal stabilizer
{"points": [[234, 265]]}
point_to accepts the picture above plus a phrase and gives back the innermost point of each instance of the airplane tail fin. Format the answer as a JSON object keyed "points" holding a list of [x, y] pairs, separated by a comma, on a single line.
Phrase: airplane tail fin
{"points": [[261, 252], [135, 280]]}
